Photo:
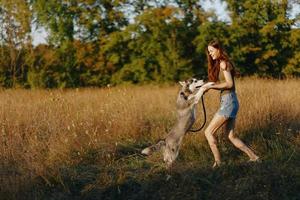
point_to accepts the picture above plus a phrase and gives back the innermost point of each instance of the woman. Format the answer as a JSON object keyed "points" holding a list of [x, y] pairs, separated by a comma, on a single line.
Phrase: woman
{"points": [[221, 71]]}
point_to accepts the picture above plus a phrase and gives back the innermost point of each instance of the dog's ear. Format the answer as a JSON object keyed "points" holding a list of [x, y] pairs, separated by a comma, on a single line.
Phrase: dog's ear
{"points": [[182, 83]]}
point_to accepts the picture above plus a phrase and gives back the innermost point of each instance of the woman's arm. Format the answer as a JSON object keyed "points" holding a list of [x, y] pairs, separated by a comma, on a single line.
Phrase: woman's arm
{"points": [[228, 84]]}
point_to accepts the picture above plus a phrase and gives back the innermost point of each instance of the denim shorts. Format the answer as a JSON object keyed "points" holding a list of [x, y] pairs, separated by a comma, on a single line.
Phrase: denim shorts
{"points": [[229, 105]]}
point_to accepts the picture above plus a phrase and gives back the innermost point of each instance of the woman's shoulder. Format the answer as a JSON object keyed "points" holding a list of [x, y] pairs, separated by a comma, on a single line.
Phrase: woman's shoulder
{"points": [[225, 65]]}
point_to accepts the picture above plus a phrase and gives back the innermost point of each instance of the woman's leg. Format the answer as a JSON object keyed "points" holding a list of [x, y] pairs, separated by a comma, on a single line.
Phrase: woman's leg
{"points": [[237, 142], [213, 126]]}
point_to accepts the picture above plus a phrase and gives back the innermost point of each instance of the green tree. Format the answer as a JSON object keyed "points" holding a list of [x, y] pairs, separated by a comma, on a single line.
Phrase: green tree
{"points": [[259, 35], [155, 44], [42, 62], [89, 21], [292, 68], [15, 41]]}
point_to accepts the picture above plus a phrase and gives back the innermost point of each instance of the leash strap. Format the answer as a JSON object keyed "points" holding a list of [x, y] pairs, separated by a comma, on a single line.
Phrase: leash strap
{"points": [[204, 112]]}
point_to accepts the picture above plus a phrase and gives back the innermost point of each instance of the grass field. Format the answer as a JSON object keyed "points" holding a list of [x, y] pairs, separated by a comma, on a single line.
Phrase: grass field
{"points": [[85, 144]]}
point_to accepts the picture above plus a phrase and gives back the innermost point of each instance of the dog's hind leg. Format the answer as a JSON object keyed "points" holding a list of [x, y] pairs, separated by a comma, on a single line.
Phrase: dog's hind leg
{"points": [[156, 147]]}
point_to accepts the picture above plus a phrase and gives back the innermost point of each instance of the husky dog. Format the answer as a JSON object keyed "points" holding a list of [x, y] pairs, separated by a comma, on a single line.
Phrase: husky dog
{"points": [[188, 96]]}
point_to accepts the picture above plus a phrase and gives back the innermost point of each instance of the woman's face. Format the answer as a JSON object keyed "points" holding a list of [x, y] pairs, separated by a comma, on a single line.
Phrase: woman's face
{"points": [[213, 52]]}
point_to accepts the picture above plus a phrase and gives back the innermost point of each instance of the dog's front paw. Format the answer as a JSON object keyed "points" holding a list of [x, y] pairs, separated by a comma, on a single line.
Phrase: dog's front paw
{"points": [[197, 99], [208, 84]]}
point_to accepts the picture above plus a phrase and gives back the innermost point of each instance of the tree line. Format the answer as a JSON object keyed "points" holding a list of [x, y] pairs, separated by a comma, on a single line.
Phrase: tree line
{"points": [[101, 42]]}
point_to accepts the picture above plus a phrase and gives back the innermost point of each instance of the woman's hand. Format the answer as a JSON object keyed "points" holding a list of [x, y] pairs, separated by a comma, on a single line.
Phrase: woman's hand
{"points": [[207, 86]]}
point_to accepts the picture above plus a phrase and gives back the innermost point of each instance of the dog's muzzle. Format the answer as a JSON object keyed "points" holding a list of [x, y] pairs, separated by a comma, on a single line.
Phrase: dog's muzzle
{"points": [[199, 86]]}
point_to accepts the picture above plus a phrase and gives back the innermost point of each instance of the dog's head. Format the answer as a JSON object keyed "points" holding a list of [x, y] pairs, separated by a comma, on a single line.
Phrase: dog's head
{"points": [[190, 86]]}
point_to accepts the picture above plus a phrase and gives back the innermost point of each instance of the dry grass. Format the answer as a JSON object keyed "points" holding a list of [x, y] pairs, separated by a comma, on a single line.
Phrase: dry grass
{"points": [[71, 140]]}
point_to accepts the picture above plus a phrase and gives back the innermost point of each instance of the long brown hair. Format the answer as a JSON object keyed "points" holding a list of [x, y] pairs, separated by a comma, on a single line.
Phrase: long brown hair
{"points": [[214, 65]]}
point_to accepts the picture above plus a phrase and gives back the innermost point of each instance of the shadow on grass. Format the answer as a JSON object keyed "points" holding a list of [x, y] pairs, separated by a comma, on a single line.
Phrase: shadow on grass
{"points": [[276, 178], [270, 179], [129, 175], [244, 181]]}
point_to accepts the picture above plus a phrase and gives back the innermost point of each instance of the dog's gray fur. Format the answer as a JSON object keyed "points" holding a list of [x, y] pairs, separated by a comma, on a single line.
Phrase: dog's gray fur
{"points": [[189, 95]]}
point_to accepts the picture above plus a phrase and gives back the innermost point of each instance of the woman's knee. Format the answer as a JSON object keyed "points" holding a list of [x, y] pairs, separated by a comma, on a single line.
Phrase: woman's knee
{"points": [[209, 136], [208, 133]]}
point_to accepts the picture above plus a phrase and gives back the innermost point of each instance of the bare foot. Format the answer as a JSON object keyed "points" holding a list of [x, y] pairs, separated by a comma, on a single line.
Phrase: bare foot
{"points": [[217, 164], [255, 159]]}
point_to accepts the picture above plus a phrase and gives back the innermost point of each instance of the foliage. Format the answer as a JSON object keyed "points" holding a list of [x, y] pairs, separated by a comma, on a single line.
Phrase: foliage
{"points": [[96, 43], [15, 18], [260, 36], [293, 66]]}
